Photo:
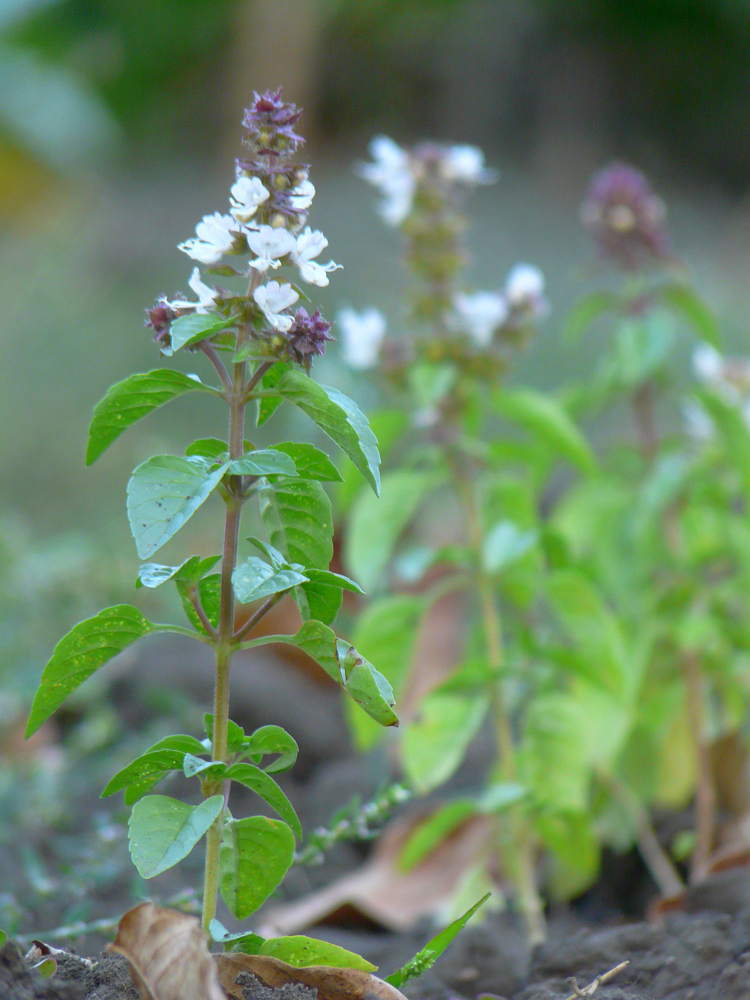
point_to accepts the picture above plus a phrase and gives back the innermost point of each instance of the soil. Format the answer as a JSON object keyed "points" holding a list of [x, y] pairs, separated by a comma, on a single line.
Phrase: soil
{"points": [[700, 954]]}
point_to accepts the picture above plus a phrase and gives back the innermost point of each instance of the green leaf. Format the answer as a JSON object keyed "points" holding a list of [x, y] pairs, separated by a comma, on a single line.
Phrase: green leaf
{"points": [[131, 399], [267, 405], [262, 784], [297, 517], [209, 589], [147, 770], [546, 418], [339, 417], [320, 597], [595, 630], [188, 330], [254, 579], [154, 574], [643, 346], [586, 311], [163, 831], [255, 855], [263, 462], [236, 737], [554, 752], [311, 462], [213, 449], [433, 830], [504, 544], [366, 685], [575, 852], [434, 948], [272, 740], [241, 941], [193, 766], [88, 646], [376, 525], [435, 743], [732, 426], [163, 492], [300, 952], [386, 633], [684, 301]]}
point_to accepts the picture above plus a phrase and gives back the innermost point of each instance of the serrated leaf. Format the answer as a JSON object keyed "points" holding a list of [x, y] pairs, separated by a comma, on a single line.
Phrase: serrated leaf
{"points": [[435, 743], [163, 492], [254, 579], [88, 646], [586, 311], [300, 952], [262, 784], [255, 855], [311, 462], [188, 330], [163, 830], [263, 462], [376, 524], [546, 418], [296, 514], [128, 401], [386, 634], [339, 417], [426, 957], [272, 740]]}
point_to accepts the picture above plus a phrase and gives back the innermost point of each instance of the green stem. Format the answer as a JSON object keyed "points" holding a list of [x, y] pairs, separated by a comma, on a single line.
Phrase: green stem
{"points": [[521, 859], [225, 645]]}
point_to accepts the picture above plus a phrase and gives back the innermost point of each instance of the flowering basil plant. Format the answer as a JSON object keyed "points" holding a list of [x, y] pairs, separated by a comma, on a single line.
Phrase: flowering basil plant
{"points": [[260, 344]]}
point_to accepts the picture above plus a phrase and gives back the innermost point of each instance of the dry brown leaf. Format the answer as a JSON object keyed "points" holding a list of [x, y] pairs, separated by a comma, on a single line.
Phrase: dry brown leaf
{"points": [[381, 891], [331, 983], [168, 955]]}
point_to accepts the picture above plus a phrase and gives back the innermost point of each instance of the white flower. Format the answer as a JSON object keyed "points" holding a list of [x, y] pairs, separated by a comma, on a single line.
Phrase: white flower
{"points": [[215, 235], [362, 335], [524, 284], [708, 364], [301, 196], [270, 244], [392, 174], [465, 165], [246, 194], [206, 295], [309, 244], [480, 314], [272, 299], [698, 424]]}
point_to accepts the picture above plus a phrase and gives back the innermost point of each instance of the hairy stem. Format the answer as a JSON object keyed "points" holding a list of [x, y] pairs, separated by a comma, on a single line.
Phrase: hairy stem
{"points": [[225, 645], [521, 855]]}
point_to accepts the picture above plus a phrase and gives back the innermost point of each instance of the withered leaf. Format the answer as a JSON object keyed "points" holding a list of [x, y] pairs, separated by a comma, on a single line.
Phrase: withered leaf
{"points": [[331, 983], [168, 955]]}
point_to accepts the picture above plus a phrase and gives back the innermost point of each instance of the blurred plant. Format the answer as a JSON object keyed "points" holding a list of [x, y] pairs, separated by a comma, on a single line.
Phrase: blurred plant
{"points": [[266, 345], [652, 579], [446, 374]]}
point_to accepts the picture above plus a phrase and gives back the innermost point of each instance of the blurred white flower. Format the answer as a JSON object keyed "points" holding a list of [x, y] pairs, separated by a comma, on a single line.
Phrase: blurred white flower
{"points": [[708, 364], [480, 314], [246, 194], [270, 244], [391, 173], [273, 298], [362, 334], [698, 424], [301, 196], [465, 165], [215, 235], [309, 244], [524, 283]]}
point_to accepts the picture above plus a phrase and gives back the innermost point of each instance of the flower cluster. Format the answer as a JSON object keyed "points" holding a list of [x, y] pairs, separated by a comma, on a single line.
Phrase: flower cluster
{"points": [[626, 218], [268, 205]]}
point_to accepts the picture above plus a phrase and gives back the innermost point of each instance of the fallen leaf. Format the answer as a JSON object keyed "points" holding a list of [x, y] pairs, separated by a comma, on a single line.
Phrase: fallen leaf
{"points": [[381, 891], [331, 983], [168, 955]]}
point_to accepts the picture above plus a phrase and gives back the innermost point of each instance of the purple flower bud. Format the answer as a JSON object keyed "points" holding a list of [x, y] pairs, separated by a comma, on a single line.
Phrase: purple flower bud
{"points": [[626, 218], [269, 124], [307, 337], [160, 319]]}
